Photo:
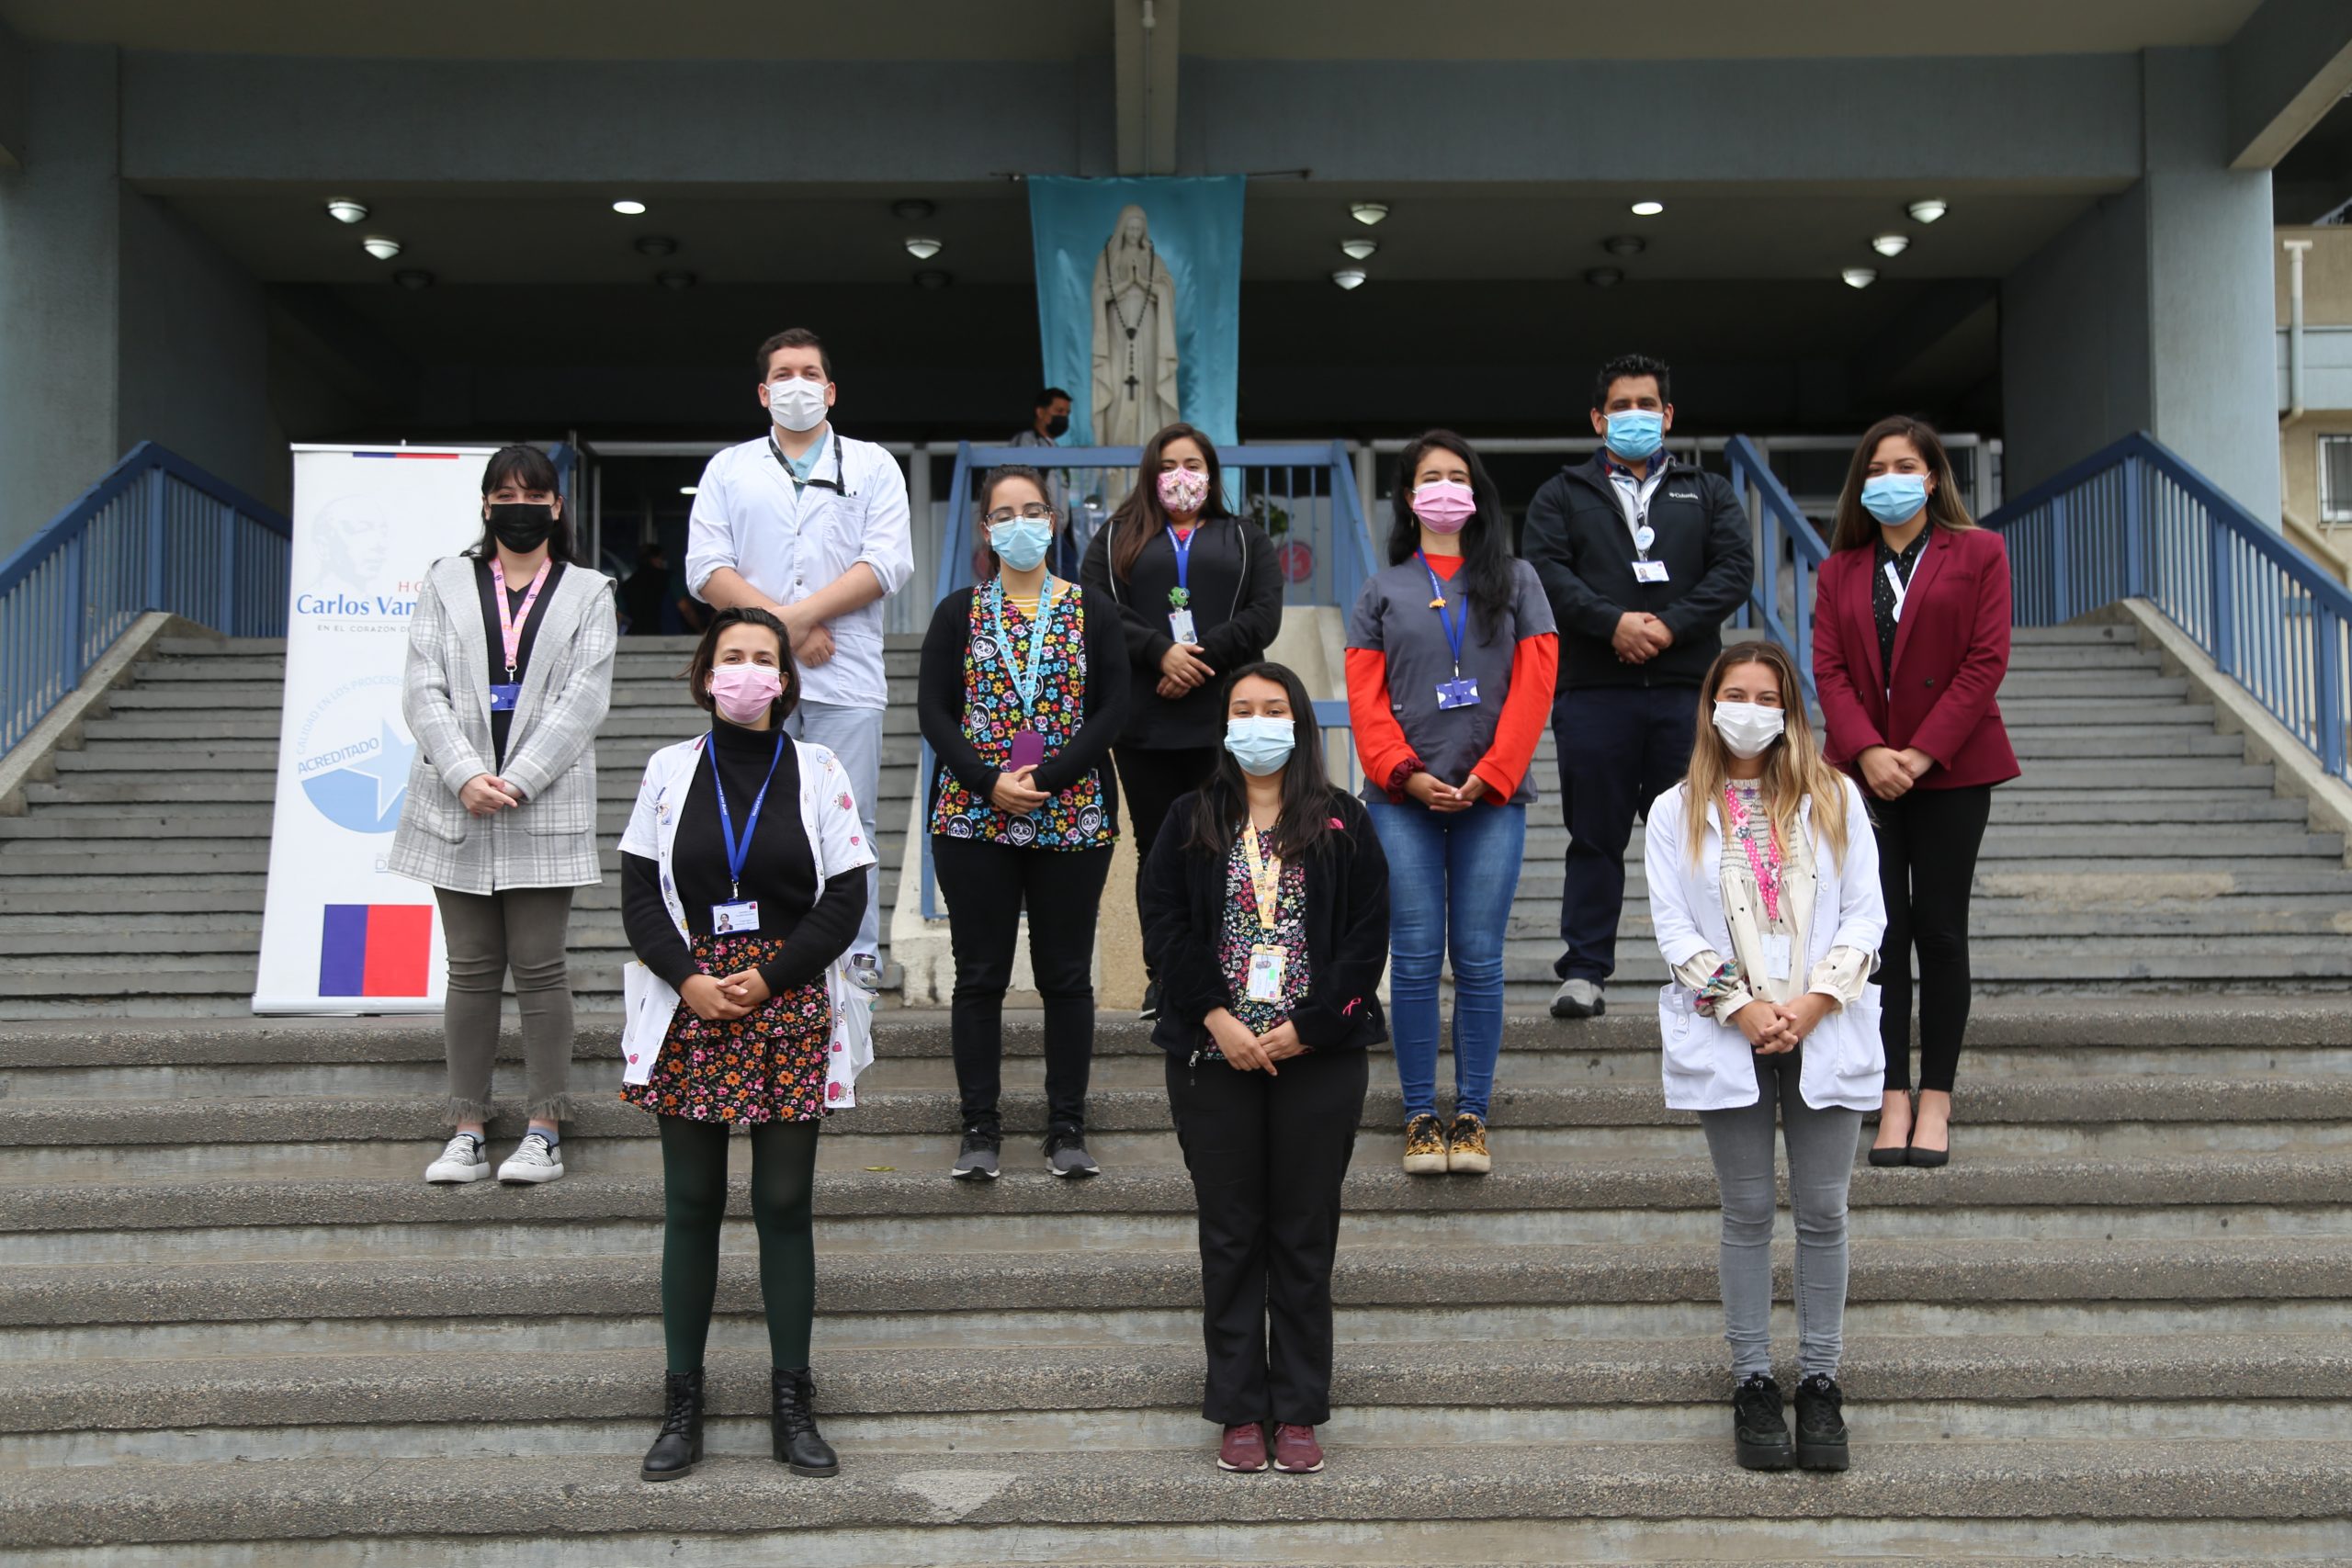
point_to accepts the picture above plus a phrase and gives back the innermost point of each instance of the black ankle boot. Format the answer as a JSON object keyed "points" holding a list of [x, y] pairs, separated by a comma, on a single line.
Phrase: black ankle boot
{"points": [[1759, 1434], [797, 1441], [1821, 1423], [678, 1448]]}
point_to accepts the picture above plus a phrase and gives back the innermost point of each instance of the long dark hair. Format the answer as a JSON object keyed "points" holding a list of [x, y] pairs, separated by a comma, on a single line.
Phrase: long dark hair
{"points": [[1857, 529], [525, 468], [1484, 573], [984, 562], [1304, 826], [1141, 518], [707, 655]]}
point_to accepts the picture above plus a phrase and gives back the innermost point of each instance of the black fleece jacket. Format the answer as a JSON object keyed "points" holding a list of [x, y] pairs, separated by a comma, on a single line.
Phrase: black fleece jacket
{"points": [[1235, 584]]}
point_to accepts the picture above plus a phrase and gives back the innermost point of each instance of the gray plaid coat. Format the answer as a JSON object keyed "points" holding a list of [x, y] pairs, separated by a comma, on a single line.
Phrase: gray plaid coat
{"points": [[551, 839]]}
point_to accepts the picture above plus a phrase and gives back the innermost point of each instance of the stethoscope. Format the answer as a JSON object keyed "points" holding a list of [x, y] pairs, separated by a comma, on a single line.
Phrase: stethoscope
{"points": [[838, 484]]}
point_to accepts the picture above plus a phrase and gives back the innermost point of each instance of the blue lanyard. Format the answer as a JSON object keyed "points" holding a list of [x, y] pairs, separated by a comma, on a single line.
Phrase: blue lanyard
{"points": [[1184, 548], [1455, 630], [1026, 690], [737, 853]]}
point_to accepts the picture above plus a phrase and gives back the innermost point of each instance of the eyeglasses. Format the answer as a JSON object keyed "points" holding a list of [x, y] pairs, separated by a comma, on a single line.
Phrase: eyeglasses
{"points": [[1034, 512]]}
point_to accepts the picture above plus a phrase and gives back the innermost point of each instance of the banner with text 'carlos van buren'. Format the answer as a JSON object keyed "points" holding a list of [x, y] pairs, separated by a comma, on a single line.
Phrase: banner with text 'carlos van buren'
{"points": [[340, 934]]}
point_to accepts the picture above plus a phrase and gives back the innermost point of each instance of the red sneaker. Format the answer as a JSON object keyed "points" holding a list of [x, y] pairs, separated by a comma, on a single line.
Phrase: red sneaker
{"points": [[1244, 1448], [1296, 1450]]}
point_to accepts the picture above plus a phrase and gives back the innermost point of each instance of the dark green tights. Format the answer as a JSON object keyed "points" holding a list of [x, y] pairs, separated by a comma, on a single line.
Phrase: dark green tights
{"points": [[694, 1183]]}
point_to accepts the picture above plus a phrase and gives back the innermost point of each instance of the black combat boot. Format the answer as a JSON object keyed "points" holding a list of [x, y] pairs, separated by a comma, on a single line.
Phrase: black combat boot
{"points": [[678, 1448], [797, 1441]]}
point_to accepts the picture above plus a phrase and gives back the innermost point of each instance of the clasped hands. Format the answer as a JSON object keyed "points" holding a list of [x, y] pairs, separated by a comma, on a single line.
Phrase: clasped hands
{"points": [[1891, 773], [1427, 789], [1640, 638], [812, 642], [486, 795], [719, 997], [1181, 668], [1775, 1028], [1253, 1053]]}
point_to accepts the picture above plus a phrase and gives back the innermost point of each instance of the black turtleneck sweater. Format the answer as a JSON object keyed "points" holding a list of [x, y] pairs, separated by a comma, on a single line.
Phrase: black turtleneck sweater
{"points": [[781, 871]]}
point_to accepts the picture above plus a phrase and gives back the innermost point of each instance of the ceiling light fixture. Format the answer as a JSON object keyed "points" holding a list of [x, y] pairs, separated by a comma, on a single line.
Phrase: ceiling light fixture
{"points": [[343, 209], [383, 247], [1368, 212], [656, 245], [676, 278], [1927, 211], [914, 209], [922, 247], [629, 206], [1858, 277], [1649, 209], [1604, 276], [1349, 277], [1890, 244], [1624, 245], [412, 277], [1359, 250], [690, 489]]}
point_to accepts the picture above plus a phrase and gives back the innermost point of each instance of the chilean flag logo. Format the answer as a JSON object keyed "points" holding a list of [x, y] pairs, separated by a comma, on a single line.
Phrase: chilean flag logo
{"points": [[375, 950]]}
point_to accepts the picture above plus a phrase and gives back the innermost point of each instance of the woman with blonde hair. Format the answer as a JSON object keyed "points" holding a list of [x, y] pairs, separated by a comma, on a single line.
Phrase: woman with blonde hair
{"points": [[1764, 893]]}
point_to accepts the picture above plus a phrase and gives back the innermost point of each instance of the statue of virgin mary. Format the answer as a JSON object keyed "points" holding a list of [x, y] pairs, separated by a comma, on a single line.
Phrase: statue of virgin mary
{"points": [[1135, 336]]}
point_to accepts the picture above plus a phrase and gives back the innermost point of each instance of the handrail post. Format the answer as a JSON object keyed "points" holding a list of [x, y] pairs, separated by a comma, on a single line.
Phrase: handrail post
{"points": [[229, 529], [77, 609], [2135, 550], [156, 484], [2224, 609], [2062, 580], [2328, 647]]}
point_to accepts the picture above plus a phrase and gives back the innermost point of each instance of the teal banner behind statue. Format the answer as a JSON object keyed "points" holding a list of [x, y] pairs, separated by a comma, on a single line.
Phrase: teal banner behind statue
{"points": [[1140, 302]]}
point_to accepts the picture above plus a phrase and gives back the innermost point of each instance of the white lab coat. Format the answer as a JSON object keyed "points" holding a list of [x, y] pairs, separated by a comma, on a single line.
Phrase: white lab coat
{"points": [[748, 516], [1709, 1064], [837, 843]]}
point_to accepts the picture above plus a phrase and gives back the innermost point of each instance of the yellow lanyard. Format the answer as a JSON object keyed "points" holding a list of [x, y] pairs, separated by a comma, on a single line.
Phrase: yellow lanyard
{"points": [[1265, 875]]}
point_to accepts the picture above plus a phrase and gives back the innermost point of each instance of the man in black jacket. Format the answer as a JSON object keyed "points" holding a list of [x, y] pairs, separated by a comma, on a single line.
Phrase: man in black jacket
{"points": [[1644, 558]]}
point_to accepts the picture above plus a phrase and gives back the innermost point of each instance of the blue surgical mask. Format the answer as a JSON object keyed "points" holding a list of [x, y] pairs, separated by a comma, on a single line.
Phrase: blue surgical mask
{"points": [[1895, 498], [1636, 432], [1260, 745], [1021, 544]]}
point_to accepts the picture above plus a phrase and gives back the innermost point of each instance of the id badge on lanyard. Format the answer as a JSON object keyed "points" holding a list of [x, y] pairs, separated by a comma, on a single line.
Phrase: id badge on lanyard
{"points": [[504, 694], [738, 915], [1028, 746], [1180, 598], [1645, 569], [1263, 978], [1462, 692]]}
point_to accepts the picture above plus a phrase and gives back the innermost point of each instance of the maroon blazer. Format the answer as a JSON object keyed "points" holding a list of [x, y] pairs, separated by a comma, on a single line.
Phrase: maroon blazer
{"points": [[1950, 652]]}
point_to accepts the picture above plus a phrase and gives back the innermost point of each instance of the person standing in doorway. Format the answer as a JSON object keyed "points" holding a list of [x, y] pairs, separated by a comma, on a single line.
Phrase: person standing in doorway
{"points": [[1451, 660], [1048, 422], [1644, 558], [646, 588], [510, 669], [811, 526], [1910, 643], [1023, 687], [1200, 594]]}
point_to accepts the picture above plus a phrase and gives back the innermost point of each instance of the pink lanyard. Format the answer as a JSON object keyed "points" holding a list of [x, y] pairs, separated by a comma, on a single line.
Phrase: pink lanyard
{"points": [[1767, 870], [511, 624]]}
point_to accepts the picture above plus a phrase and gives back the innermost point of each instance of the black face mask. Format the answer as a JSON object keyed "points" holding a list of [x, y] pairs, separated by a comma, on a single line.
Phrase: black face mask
{"points": [[521, 526], [1057, 425]]}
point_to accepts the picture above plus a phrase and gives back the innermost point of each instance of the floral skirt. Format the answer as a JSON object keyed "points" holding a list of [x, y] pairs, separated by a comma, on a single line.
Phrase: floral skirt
{"points": [[769, 1065]]}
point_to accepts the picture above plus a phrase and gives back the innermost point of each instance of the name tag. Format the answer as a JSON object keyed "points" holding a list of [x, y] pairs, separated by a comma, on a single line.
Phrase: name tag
{"points": [[503, 696], [1266, 973], [1779, 960], [1458, 693], [733, 920], [1179, 626], [1649, 571]]}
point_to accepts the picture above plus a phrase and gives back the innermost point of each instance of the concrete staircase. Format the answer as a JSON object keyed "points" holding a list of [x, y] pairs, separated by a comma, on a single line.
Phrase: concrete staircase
{"points": [[156, 830], [235, 1328]]}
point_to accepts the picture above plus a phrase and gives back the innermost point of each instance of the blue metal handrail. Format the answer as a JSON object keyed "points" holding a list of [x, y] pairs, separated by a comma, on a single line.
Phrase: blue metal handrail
{"points": [[157, 532], [2133, 520], [1778, 522]]}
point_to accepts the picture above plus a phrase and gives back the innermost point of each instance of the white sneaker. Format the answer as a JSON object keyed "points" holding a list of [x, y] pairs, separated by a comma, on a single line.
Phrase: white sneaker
{"points": [[533, 1160], [462, 1160]]}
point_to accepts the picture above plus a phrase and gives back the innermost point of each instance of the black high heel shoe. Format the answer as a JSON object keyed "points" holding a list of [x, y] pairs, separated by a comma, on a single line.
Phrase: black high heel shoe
{"points": [[1928, 1160], [1900, 1155]]}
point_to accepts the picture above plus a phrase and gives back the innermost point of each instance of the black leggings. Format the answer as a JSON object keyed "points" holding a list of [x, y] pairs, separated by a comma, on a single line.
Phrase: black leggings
{"points": [[1150, 778], [1927, 859], [693, 1198]]}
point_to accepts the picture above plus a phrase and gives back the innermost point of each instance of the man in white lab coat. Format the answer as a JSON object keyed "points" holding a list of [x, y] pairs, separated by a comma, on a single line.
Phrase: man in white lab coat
{"points": [[807, 523]]}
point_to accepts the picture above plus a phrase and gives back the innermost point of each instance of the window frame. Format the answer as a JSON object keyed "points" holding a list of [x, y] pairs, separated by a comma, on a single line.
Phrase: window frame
{"points": [[2333, 507]]}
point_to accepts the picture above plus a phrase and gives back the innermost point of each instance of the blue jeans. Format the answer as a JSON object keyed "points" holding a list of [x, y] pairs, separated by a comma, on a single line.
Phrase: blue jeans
{"points": [[1458, 870]]}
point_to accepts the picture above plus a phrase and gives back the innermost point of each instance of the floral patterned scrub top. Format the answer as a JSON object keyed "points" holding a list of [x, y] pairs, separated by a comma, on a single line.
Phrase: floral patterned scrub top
{"points": [[1073, 819], [1243, 931]]}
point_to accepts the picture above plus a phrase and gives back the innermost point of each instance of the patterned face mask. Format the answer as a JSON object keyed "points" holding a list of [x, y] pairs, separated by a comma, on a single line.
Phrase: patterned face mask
{"points": [[1181, 491]]}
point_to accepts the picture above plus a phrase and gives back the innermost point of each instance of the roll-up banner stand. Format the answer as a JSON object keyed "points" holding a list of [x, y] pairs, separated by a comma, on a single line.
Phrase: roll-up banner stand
{"points": [[340, 934]]}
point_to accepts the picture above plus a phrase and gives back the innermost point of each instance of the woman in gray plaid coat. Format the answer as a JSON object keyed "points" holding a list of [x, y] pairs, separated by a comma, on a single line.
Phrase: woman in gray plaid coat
{"points": [[509, 669]]}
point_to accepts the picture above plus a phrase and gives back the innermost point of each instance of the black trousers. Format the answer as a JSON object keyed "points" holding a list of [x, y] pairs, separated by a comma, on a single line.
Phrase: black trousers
{"points": [[1267, 1156], [1150, 778], [986, 886], [1621, 748], [1926, 860]]}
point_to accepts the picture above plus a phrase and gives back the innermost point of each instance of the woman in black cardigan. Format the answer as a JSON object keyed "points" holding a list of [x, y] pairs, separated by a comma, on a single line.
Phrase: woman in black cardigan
{"points": [[1265, 906], [1200, 595]]}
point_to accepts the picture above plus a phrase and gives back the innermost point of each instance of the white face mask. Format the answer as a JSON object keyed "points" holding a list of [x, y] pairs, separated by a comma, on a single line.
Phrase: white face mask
{"points": [[797, 405], [1748, 727]]}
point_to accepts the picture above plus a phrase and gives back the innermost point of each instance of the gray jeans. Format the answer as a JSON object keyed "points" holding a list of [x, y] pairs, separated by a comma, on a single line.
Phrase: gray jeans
{"points": [[1821, 1165], [521, 927], [854, 735]]}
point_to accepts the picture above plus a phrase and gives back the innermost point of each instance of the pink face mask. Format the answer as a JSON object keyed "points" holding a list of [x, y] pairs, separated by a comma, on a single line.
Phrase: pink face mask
{"points": [[1444, 506], [744, 693], [1181, 491]]}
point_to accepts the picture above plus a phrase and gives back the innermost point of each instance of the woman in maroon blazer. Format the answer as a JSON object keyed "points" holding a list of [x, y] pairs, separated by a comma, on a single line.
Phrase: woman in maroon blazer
{"points": [[1910, 640]]}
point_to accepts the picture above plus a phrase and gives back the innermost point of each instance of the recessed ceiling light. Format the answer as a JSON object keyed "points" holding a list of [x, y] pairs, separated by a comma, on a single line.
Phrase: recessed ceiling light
{"points": [[689, 490], [343, 209], [1368, 212], [1858, 277], [383, 247], [1649, 209], [1349, 277], [412, 277], [1890, 244], [629, 206], [1359, 250], [933, 278], [656, 245], [1624, 245], [1927, 211], [914, 209], [922, 247], [1604, 276], [676, 278]]}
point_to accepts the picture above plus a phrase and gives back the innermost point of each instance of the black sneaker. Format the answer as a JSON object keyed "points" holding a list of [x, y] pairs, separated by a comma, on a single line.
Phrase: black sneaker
{"points": [[1150, 1002], [1759, 1434], [976, 1161], [1066, 1153], [1821, 1423]]}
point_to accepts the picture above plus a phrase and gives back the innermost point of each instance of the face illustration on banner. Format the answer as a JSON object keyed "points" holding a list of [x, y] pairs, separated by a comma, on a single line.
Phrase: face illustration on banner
{"points": [[355, 542], [353, 760]]}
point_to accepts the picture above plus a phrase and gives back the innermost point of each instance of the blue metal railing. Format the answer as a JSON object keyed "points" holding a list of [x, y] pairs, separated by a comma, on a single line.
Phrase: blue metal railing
{"points": [[1303, 494], [2134, 521], [157, 532], [1780, 529]]}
